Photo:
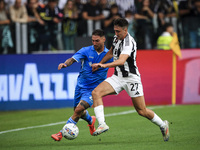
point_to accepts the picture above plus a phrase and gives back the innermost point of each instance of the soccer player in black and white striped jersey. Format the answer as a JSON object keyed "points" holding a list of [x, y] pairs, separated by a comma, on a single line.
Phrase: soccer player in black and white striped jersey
{"points": [[126, 77]]}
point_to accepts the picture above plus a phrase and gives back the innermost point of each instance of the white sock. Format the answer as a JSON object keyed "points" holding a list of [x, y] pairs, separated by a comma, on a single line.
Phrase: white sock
{"points": [[158, 121], [99, 113]]}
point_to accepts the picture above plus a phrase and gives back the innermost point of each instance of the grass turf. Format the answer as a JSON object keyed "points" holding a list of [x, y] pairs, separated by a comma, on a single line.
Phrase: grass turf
{"points": [[127, 132]]}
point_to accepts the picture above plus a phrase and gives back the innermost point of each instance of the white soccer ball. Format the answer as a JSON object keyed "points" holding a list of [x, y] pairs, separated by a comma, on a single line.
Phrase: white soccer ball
{"points": [[70, 131]]}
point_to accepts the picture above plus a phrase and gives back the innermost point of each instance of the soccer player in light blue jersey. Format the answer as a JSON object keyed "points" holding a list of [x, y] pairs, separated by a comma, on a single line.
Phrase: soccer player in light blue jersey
{"points": [[87, 80]]}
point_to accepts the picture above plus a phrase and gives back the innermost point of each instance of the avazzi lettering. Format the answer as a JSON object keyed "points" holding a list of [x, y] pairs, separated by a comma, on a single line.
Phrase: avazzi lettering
{"points": [[42, 86]]}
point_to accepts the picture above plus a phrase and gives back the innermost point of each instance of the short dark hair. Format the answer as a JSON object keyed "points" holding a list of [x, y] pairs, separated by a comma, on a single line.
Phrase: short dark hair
{"points": [[28, 1], [114, 6], [52, 1], [98, 32], [121, 22], [166, 25], [128, 12], [3, 2]]}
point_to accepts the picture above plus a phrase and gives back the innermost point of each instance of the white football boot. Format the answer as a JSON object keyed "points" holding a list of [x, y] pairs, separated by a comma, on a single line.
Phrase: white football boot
{"points": [[101, 128], [165, 131]]}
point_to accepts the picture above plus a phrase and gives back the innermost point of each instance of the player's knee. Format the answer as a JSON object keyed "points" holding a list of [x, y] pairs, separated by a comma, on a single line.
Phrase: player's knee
{"points": [[95, 93]]}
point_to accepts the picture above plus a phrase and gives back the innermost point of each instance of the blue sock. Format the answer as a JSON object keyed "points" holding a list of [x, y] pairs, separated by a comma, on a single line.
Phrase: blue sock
{"points": [[87, 117], [70, 120]]}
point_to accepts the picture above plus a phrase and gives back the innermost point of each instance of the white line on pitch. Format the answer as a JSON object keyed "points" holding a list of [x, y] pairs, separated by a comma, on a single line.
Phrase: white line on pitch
{"points": [[62, 122]]}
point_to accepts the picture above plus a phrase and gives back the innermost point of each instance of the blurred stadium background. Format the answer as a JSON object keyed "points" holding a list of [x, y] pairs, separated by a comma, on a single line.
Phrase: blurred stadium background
{"points": [[36, 98], [33, 81], [32, 46]]}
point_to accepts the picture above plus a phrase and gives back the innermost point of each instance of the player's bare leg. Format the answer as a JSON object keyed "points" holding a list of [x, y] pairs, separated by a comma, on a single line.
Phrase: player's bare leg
{"points": [[139, 104], [101, 90], [141, 109], [79, 112]]}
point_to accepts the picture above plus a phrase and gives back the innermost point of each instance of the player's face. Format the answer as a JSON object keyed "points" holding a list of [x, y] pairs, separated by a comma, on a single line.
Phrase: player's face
{"points": [[98, 42], [120, 32]]}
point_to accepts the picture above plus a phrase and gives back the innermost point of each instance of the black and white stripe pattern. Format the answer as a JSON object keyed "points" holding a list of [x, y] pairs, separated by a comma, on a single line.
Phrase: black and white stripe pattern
{"points": [[125, 46]]}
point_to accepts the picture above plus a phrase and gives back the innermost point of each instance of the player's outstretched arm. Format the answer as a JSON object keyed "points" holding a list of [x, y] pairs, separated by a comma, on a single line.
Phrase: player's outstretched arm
{"points": [[67, 63], [62, 65], [122, 59], [96, 66], [107, 57]]}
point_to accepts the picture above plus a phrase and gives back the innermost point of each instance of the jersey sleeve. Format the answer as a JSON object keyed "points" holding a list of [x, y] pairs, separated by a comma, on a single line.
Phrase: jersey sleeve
{"points": [[128, 47], [79, 55]]}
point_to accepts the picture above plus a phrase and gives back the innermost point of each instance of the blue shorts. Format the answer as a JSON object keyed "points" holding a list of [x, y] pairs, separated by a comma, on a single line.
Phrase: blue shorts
{"points": [[83, 94]]}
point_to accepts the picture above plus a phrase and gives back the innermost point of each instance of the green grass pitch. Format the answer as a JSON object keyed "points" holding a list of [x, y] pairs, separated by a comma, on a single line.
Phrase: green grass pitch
{"points": [[128, 130]]}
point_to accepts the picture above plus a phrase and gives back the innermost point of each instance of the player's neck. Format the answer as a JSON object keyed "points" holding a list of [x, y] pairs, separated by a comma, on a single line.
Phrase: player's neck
{"points": [[125, 35], [100, 51]]}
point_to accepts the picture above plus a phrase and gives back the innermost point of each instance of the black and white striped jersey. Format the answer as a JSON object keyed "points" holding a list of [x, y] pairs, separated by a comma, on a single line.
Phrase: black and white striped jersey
{"points": [[126, 46]]}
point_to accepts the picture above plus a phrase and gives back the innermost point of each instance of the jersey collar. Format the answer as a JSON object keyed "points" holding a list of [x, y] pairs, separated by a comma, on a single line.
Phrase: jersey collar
{"points": [[98, 52]]}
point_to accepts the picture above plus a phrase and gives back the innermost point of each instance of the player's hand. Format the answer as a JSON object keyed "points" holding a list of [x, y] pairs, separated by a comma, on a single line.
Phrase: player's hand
{"points": [[62, 65], [95, 67]]}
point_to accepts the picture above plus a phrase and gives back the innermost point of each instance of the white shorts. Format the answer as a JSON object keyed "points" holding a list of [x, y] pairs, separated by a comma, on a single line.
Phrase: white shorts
{"points": [[132, 85]]}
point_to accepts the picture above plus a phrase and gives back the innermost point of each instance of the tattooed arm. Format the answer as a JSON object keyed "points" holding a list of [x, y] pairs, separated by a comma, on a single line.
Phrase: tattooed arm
{"points": [[67, 63]]}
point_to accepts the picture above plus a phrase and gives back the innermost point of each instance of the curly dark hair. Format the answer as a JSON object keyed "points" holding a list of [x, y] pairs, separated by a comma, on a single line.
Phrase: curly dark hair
{"points": [[98, 32]]}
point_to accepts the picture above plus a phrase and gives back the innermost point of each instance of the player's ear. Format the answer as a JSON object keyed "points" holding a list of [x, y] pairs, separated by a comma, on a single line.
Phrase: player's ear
{"points": [[104, 38], [126, 29]]}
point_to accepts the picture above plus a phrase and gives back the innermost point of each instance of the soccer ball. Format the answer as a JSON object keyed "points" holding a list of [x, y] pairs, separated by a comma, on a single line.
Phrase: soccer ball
{"points": [[70, 131]]}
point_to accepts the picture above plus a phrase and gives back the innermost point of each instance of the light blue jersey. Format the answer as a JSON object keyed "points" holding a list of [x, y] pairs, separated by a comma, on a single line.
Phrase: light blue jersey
{"points": [[88, 56], [88, 80]]}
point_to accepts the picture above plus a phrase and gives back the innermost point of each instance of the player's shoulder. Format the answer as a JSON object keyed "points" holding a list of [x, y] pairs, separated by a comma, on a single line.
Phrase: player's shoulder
{"points": [[106, 49], [129, 40], [87, 48]]}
